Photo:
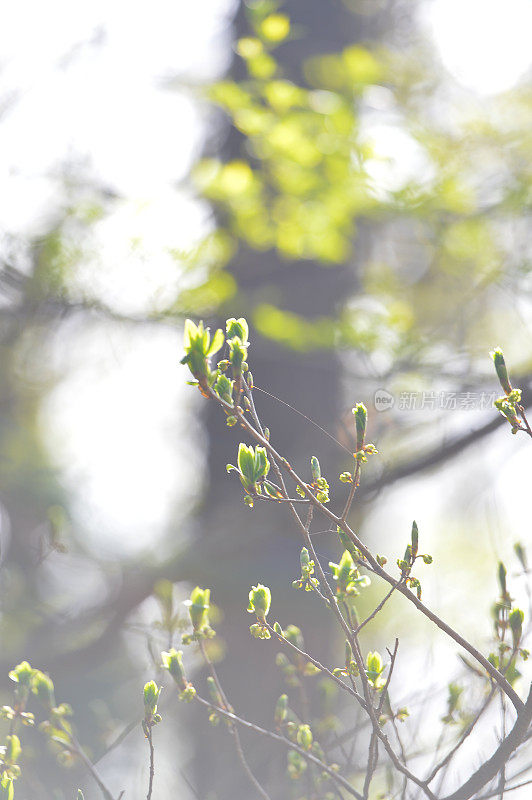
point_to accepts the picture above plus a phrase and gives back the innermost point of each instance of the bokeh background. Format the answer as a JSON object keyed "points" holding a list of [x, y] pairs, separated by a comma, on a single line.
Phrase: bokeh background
{"points": [[353, 177]]}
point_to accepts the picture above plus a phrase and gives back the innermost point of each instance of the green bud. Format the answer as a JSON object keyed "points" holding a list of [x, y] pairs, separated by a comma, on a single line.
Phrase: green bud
{"points": [[281, 710], [346, 477], [260, 599], [267, 434], [502, 579], [214, 694], [237, 356], [315, 469], [361, 418], [516, 625], [294, 635], [415, 539], [304, 737], [296, 765], [237, 327], [258, 631], [521, 555], [224, 389], [22, 674], [374, 666], [427, 559], [304, 559], [500, 369], [198, 608], [43, 687], [12, 749], [6, 788], [198, 350], [188, 693], [346, 542], [173, 662], [80, 795], [277, 628], [151, 696]]}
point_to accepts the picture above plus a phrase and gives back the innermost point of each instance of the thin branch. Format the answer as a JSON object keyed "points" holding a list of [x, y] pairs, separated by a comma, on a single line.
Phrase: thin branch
{"points": [[317, 664], [152, 763], [492, 766], [75, 747], [379, 607], [238, 743], [283, 740], [492, 671]]}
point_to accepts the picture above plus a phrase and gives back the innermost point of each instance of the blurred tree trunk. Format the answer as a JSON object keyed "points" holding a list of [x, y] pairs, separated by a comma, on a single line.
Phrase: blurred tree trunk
{"points": [[309, 381]]}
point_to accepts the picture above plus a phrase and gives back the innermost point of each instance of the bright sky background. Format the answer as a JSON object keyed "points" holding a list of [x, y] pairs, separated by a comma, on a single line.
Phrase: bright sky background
{"points": [[85, 84]]}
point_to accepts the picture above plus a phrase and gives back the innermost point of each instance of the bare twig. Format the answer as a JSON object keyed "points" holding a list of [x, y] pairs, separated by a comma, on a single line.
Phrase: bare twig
{"points": [[238, 743], [152, 762], [286, 742]]}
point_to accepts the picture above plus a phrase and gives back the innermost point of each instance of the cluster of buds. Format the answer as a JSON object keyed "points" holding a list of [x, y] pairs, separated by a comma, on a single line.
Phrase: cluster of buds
{"points": [[507, 618], [151, 699], [301, 734], [406, 563], [294, 670], [172, 660], [198, 608], [348, 579], [508, 406], [199, 350], [319, 483], [260, 599], [9, 755], [57, 726], [307, 581], [252, 467], [22, 676]]}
